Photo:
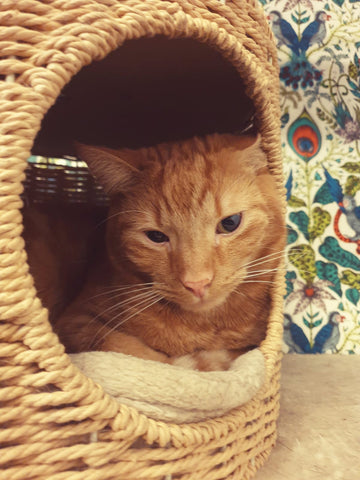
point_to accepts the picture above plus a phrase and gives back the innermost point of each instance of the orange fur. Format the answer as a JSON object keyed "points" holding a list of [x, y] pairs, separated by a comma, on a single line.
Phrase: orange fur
{"points": [[190, 294], [59, 246]]}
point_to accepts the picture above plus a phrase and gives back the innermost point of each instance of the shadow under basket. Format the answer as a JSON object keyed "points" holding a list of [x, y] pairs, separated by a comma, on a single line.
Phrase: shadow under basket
{"points": [[130, 74]]}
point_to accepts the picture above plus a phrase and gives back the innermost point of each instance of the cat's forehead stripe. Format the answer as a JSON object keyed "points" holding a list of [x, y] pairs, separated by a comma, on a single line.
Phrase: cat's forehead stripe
{"points": [[190, 192]]}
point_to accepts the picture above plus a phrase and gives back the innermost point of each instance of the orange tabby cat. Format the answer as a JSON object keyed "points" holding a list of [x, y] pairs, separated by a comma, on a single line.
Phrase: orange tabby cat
{"points": [[194, 236]]}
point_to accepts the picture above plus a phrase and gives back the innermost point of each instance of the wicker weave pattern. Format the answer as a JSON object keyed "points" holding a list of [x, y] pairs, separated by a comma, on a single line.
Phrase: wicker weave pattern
{"points": [[54, 422]]}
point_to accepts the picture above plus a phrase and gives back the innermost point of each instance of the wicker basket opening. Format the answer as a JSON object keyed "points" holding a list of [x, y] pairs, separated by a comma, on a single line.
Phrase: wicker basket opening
{"points": [[147, 91]]}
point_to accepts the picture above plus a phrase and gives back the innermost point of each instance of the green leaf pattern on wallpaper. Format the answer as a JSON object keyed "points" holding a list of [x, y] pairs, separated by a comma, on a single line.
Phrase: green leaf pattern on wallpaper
{"points": [[319, 54]]}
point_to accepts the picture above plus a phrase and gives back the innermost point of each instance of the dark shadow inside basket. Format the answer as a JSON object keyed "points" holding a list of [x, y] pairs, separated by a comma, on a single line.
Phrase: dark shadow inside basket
{"points": [[147, 91]]}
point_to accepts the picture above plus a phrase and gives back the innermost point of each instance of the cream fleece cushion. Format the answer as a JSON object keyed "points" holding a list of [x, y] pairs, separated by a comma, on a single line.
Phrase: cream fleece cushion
{"points": [[172, 393]]}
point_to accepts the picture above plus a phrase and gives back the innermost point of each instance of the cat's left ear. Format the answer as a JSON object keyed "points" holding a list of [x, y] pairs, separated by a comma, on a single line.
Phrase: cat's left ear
{"points": [[114, 171], [254, 156]]}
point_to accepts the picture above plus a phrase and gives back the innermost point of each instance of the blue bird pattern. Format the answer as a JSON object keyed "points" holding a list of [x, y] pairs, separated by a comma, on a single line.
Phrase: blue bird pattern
{"points": [[315, 32], [284, 32], [319, 57]]}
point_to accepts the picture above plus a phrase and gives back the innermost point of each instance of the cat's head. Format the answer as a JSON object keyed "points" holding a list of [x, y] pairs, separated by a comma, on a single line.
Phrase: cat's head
{"points": [[190, 215]]}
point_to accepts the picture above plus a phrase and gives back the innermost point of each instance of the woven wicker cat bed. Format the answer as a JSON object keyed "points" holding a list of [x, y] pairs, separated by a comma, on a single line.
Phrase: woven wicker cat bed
{"points": [[55, 422]]}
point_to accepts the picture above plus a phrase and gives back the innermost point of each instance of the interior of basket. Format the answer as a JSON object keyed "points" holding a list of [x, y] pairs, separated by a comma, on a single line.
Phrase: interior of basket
{"points": [[149, 90]]}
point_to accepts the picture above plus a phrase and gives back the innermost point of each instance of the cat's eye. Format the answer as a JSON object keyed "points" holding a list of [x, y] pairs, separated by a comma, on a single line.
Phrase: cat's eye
{"points": [[156, 236], [229, 224]]}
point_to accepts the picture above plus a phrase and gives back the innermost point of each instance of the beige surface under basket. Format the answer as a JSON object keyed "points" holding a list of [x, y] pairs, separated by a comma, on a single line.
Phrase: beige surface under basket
{"points": [[55, 423]]}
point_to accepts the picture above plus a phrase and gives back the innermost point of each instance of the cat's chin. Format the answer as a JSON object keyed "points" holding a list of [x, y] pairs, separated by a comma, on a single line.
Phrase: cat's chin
{"points": [[203, 305]]}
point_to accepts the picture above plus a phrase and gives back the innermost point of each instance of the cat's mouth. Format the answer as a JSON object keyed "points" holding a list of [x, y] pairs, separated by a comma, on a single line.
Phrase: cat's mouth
{"points": [[203, 304]]}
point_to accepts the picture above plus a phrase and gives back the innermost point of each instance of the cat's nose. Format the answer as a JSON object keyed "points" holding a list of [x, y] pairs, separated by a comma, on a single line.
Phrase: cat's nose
{"points": [[198, 287]]}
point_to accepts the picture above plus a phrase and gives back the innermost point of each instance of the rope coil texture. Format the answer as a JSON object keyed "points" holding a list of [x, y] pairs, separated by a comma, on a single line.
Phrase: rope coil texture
{"points": [[55, 422]]}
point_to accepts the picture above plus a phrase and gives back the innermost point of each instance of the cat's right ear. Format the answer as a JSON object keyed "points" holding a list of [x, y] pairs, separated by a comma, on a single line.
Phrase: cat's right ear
{"points": [[112, 172]]}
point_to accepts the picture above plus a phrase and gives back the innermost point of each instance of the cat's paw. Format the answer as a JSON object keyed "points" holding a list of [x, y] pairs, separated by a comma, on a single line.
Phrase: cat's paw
{"points": [[205, 360], [129, 345]]}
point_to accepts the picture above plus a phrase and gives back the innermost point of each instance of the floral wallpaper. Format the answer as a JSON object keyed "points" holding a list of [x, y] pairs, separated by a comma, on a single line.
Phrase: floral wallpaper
{"points": [[319, 53]]}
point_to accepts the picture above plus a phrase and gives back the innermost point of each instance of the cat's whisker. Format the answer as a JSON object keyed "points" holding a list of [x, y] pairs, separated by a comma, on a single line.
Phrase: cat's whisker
{"points": [[260, 262], [254, 277], [259, 281], [271, 257], [143, 297], [164, 290], [279, 268], [139, 296], [266, 270], [124, 290], [131, 285], [119, 299], [111, 330], [263, 272], [266, 258], [255, 273], [141, 310], [239, 292], [140, 302]]}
